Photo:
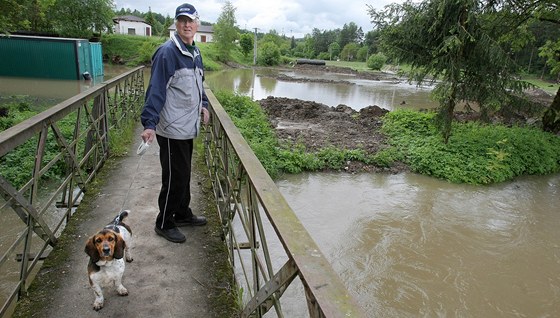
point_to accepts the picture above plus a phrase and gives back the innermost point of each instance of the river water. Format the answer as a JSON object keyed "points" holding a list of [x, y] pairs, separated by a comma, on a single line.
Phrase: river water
{"points": [[408, 245], [356, 93]]}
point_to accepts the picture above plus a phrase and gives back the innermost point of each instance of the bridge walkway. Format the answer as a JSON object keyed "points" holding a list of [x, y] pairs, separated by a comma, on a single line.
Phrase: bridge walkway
{"points": [[165, 279]]}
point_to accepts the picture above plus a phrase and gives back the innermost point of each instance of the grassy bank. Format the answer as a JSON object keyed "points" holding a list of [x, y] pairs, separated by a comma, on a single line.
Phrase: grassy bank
{"points": [[476, 153]]}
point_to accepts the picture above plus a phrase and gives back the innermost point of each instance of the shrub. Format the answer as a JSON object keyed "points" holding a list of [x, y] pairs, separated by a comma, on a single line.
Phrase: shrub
{"points": [[376, 61], [269, 54]]}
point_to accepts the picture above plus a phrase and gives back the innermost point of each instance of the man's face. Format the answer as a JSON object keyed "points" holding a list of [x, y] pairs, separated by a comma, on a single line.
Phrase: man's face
{"points": [[186, 28]]}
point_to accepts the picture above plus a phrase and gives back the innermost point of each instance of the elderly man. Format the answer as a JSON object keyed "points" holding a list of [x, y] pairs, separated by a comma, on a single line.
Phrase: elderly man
{"points": [[174, 107]]}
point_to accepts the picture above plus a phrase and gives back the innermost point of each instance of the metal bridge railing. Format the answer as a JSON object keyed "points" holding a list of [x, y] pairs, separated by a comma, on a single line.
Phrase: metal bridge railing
{"points": [[248, 202], [60, 151]]}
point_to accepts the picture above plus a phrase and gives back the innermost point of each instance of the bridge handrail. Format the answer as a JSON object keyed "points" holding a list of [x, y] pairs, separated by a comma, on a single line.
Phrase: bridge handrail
{"points": [[243, 191], [80, 154]]}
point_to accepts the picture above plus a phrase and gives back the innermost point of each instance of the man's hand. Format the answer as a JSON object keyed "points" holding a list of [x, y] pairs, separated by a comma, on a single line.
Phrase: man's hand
{"points": [[205, 115], [148, 135]]}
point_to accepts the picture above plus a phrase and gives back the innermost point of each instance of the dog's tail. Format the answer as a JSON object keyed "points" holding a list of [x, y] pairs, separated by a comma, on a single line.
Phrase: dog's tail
{"points": [[119, 218]]}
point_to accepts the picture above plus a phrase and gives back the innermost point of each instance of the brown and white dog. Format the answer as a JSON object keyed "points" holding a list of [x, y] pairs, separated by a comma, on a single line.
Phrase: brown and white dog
{"points": [[106, 250]]}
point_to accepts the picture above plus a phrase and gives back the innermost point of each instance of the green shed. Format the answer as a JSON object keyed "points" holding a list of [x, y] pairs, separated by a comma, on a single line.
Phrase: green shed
{"points": [[49, 57]]}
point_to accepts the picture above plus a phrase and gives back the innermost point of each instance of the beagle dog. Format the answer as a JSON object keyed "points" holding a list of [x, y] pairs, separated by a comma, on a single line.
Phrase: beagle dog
{"points": [[106, 250]]}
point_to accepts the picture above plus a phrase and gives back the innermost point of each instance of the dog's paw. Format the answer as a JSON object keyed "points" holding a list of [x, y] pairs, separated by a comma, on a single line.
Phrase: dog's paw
{"points": [[122, 291], [97, 305]]}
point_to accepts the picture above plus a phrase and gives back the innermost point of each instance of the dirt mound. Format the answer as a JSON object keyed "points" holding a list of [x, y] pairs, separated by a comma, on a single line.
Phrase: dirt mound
{"points": [[317, 126]]}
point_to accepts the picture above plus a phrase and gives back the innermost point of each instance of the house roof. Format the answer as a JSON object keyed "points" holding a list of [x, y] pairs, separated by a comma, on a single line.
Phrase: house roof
{"points": [[131, 18], [201, 28]]}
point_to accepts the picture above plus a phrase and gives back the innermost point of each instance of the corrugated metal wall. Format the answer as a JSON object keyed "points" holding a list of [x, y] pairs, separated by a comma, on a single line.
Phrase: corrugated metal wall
{"points": [[44, 57]]}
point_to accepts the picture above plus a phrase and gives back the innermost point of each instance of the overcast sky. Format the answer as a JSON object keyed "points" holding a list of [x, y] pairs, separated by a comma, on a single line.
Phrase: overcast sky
{"points": [[288, 17]]}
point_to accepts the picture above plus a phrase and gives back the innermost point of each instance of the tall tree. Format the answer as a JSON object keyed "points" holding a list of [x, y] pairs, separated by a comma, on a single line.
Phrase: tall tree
{"points": [[371, 41], [77, 18], [350, 52], [246, 43], [225, 32], [149, 17], [334, 50], [446, 40], [349, 33], [322, 39]]}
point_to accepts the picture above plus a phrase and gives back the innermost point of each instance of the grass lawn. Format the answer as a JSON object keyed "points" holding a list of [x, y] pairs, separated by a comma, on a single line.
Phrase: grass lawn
{"points": [[359, 66], [549, 87], [546, 86]]}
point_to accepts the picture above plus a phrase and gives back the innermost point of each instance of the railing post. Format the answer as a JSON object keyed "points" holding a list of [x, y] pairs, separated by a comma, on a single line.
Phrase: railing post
{"points": [[25, 258]]}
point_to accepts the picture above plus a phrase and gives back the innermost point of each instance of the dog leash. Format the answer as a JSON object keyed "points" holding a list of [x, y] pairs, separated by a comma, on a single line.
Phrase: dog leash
{"points": [[142, 148]]}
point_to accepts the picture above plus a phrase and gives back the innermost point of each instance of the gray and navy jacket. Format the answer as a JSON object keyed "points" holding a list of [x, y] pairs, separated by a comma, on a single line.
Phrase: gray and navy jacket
{"points": [[175, 95]]}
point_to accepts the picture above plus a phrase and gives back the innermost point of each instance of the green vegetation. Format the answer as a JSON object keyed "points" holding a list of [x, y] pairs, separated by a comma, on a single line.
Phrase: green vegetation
{"points": [[471, 65], [15, 110], [225, 33], [67, 18], [358, 66], [547, 86], [376, 61], [476, 153], [138, 50], [18, 164], [468, 46]]}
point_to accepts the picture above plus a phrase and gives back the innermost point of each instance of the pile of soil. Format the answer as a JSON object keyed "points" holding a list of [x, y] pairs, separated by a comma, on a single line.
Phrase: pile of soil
{"points": [[317, 126]]}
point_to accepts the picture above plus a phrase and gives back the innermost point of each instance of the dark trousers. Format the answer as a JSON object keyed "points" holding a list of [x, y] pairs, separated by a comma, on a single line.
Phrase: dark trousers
{"points": [[175, 195]]}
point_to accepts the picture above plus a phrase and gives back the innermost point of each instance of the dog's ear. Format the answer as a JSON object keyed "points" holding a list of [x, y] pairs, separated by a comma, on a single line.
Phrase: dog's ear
{"points": [[91, 250], [120, 244]]}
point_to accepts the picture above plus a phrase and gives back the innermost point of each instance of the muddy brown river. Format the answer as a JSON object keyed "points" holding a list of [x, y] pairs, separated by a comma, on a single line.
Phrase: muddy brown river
{"points": [[408, 245]]}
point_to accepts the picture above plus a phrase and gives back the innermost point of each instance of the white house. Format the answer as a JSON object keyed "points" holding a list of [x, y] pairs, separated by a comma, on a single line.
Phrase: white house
{"points": [[204, 34], [132, 25]]}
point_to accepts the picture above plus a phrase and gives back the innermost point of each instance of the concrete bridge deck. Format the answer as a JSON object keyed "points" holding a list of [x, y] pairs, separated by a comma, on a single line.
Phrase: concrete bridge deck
{"points": [[165, 279]]}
